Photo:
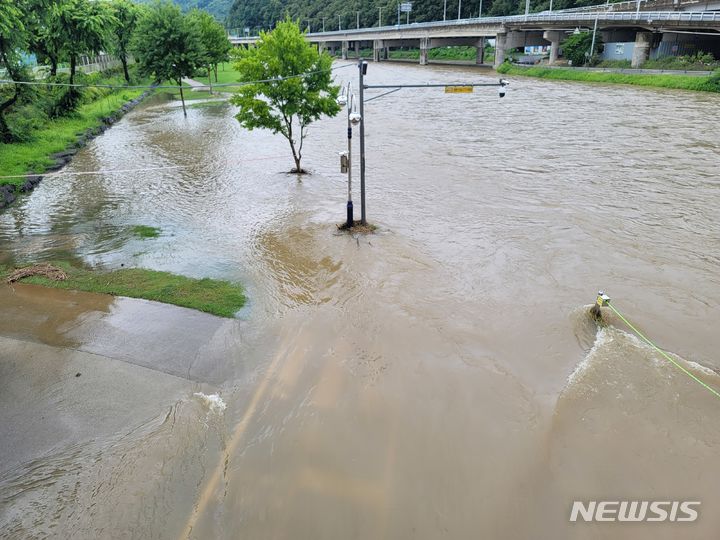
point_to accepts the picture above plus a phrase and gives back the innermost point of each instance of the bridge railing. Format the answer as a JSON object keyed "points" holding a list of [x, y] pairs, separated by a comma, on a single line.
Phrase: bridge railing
{"points": [[642, 16]]}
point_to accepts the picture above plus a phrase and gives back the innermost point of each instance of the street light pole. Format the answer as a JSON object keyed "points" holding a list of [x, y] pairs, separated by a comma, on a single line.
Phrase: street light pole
{"points": [[399, 14], [459, 8], [445, 10], [357, 21], [527, 9], [362, 67], [379, 17], [339, 23], [350, 219], [323, 24], [480, 12]]}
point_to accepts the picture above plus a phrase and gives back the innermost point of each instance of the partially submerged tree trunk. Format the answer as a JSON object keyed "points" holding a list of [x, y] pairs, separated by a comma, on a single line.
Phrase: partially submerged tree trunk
{"points": [[296, 152], [182, 96], [297, 168]]}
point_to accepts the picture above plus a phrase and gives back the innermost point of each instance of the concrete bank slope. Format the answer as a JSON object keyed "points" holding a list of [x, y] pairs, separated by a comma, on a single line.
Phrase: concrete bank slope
{"points": [[78, 366]]}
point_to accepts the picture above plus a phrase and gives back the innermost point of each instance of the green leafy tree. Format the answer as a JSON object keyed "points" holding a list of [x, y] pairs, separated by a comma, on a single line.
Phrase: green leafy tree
{"points": [[168, 45], [215, 41], [126, 16], [300, 90], [84, 27], [44, 33], [13, 39], [576, 48]]}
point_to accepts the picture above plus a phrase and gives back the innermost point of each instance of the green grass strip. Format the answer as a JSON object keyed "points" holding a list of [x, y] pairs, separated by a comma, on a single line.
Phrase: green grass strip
{"points": [[217, 297], [679, 82]]}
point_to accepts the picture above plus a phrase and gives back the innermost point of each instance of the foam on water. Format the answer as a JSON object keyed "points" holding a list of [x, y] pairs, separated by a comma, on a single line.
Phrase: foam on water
{"points": [[213, 402], [628, 344], [603, 338]]}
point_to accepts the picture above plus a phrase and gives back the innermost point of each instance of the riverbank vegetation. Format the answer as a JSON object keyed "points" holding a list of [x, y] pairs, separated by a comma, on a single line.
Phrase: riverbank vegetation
{"points": [[700, 61], [40, 135], [459, 53], [710, 83], [217, 297], [49, 109]]}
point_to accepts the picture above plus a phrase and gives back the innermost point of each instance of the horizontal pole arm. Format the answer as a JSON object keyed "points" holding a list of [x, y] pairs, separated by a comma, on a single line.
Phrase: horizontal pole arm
{"points": [[502, 83]]}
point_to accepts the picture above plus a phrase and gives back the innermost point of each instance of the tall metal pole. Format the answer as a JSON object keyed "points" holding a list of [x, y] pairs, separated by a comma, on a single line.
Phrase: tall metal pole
{"points": [[551, 1], [357, 21], [527, 8], [362, 141], [637, 11], [323, 24], [445, 10], [459, 8], [379, 17], [339, 23], [398, 14], [349, 221], [480, 12]]}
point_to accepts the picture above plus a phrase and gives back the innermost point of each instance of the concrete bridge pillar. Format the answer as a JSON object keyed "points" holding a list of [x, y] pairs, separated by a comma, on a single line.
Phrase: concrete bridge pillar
{"points": [[480, 54], [377, 50], [344, 50], [386, 53], [424, 46], [500, 43], [554, 37], [357, 49], [641, 52]]}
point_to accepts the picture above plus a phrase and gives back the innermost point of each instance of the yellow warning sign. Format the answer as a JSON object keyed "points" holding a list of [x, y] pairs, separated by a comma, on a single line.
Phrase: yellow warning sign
{"points": [[458, 89]]}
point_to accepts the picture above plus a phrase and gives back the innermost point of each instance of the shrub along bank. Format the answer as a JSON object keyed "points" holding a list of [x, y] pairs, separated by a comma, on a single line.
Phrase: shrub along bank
{"points": [[53, 122], [680, 82]]}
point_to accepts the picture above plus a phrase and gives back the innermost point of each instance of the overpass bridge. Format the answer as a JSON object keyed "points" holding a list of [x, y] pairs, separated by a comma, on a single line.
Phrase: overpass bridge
{"points": [[644, 28]]}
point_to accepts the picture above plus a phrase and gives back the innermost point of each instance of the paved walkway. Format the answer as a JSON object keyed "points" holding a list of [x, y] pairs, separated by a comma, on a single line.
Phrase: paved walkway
{"points": [[196, 85]]}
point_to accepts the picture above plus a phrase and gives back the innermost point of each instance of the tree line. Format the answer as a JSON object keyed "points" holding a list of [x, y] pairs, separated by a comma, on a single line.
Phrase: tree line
{"points": [[166, 44], [264, 14]]}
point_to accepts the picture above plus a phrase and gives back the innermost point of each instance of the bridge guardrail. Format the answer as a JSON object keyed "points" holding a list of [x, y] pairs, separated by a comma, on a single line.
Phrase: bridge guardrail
{"points": [[640, 17]]}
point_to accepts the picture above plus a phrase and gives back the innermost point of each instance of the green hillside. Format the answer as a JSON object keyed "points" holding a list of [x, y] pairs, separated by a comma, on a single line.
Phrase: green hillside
{"points": [[217, 8]]}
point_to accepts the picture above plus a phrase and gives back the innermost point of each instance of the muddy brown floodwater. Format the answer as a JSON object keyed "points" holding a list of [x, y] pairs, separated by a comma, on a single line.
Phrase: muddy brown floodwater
{"points": [[438, 379]]}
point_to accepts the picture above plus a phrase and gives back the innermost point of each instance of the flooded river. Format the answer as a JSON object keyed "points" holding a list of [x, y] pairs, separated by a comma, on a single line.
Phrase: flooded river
{"points": [[438, 379]]}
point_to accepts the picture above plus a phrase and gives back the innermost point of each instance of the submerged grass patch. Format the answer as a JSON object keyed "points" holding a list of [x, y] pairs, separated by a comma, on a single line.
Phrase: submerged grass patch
{"points": [[679, 82], [217, 297], [145, 231]]}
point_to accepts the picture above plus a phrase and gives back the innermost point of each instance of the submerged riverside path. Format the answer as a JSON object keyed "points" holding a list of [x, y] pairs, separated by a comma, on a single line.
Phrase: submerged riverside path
{"points": [[440, 378]]}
